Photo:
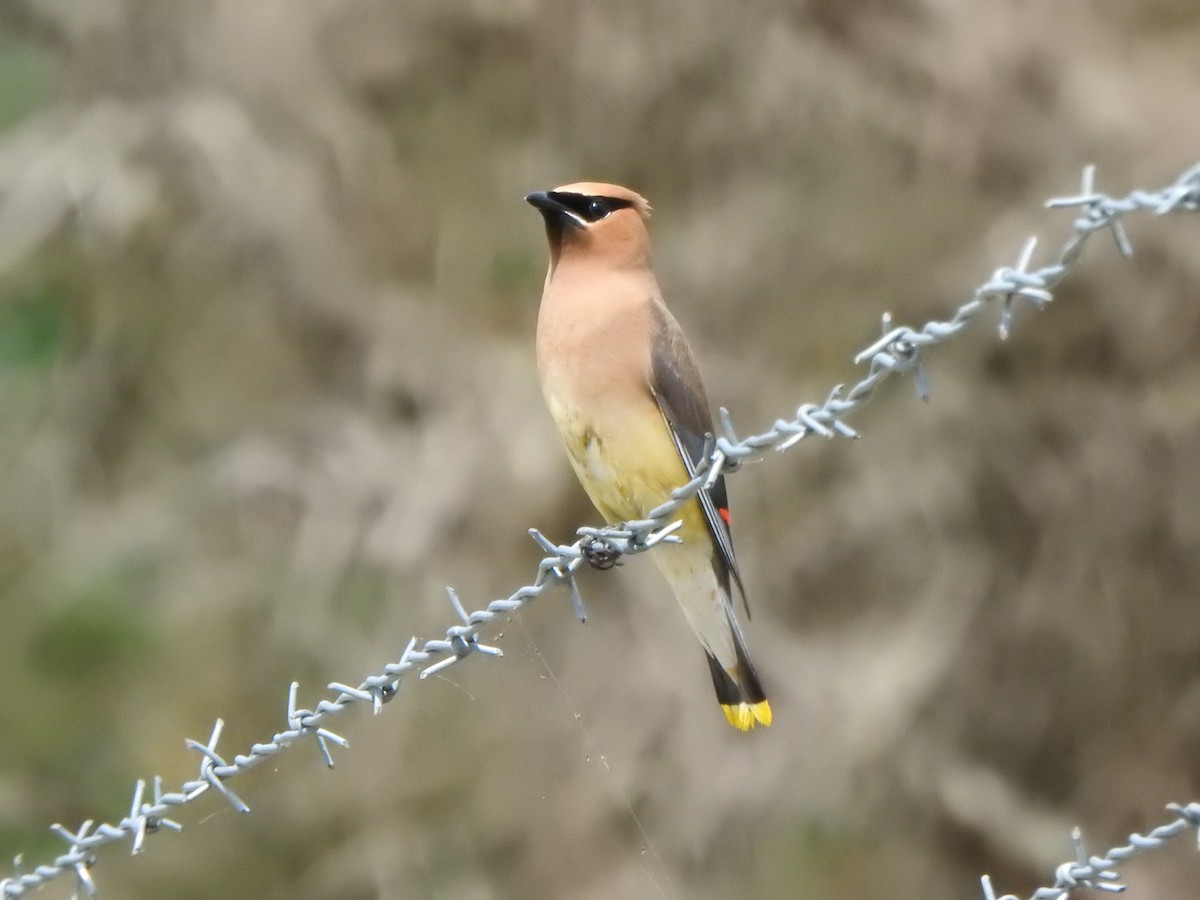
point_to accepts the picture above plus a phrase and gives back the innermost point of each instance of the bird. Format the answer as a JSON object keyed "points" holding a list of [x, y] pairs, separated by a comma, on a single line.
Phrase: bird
{"points": [[624, 391]]}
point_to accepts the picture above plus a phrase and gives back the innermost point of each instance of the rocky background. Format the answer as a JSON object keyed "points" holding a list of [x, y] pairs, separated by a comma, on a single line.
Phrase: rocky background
{"points": [[267, 300]]}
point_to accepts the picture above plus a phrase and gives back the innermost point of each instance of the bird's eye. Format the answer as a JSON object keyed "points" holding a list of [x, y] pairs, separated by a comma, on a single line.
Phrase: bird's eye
{"points": [[596, 210]]}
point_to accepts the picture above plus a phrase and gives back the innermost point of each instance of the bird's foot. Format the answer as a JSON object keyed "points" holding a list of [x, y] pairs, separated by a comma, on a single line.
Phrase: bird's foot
{"points": [[599, 553]]}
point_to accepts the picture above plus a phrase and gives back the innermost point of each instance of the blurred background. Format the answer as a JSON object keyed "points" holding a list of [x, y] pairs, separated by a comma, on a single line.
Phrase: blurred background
{"points": [[267, 302]]}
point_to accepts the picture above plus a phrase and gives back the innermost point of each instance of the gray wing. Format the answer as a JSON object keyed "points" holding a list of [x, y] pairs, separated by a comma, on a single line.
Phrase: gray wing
{"points": [[676, 385]]}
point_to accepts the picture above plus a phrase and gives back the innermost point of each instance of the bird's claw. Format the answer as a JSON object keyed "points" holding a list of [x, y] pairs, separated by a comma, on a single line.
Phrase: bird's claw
{"points": [[599, 553]]}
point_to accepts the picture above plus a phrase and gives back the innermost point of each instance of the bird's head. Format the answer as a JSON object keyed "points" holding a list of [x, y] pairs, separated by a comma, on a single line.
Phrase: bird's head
{"points": [[604, 222]]}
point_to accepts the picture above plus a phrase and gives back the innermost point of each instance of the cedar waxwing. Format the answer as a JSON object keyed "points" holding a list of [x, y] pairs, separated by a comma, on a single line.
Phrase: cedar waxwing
{"points": [[626, 395]]}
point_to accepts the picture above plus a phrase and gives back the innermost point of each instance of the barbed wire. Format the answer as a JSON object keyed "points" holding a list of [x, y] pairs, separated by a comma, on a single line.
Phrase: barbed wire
{"points": [[898, 350], [1099, 872]]}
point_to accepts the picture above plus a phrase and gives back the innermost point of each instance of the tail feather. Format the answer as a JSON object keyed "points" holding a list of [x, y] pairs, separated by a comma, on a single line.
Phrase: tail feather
{"points": [[739, 692]]}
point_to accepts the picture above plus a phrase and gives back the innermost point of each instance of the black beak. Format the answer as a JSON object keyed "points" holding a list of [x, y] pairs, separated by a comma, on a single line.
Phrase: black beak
{"points": [[556, 213]]}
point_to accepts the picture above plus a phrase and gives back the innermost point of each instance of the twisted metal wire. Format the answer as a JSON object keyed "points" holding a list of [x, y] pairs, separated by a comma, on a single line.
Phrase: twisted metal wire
{"points": [[1099, 872], [898, 350]]}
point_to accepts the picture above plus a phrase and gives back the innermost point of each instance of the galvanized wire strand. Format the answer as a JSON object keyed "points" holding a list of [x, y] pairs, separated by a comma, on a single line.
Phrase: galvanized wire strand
{"points": [[898, 350], [1099, 872]]}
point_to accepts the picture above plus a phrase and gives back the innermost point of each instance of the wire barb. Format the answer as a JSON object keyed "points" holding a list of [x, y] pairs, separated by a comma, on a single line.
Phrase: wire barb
{"points": [[83, 860], [138, 817], [898, 350], [1100, 872], [461, 641], [564, 573], [731, 449], [300, 720], [209, 763], [1099, 211]]}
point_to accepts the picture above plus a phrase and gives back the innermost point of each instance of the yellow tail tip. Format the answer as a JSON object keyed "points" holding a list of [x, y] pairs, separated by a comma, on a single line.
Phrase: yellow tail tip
{"points": [[744, 716]]}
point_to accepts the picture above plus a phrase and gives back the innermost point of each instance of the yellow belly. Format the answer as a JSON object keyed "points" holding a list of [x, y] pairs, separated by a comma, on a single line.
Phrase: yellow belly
{"points": [[626, 462]]}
